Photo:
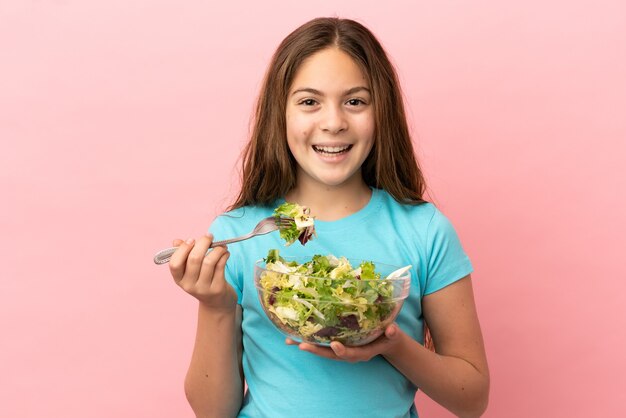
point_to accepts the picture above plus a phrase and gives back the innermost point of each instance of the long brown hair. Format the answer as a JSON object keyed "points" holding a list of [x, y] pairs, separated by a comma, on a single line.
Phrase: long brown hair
{"points": [[269, 169]]}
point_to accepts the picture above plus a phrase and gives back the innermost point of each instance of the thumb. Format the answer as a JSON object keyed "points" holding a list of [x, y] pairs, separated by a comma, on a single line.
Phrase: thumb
{"points": [[391, 331]]}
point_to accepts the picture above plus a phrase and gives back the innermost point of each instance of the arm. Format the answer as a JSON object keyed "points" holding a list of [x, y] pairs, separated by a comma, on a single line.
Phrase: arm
{"points": [[456, 376], [214, 381]]}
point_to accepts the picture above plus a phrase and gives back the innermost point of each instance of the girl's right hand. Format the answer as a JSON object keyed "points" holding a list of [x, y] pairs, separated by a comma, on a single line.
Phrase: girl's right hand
{"points": [[203, 276]]}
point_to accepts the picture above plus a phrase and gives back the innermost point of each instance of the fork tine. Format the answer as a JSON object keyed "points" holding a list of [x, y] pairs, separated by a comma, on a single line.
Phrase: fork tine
{"points": [[284, 221]]}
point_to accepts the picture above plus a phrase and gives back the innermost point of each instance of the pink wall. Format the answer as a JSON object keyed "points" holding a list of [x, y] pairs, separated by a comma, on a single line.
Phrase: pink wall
{"points": [[120, 125]]}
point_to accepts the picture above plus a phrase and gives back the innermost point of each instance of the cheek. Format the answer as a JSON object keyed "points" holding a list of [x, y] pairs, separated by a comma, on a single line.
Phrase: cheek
{"points": [[367, 131], [297, 129], [292, 125], [365, 123]]}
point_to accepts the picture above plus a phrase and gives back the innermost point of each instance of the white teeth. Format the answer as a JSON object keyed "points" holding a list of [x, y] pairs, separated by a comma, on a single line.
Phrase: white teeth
{"points": [[331, 150]]}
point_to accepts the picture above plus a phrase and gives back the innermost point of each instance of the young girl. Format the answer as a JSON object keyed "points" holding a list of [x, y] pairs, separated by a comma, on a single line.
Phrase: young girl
{"points": [[330, 133]]}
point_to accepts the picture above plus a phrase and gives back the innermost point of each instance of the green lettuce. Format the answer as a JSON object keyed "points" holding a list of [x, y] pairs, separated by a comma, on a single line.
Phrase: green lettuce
{"points": [[300, 225], [326, 298]]}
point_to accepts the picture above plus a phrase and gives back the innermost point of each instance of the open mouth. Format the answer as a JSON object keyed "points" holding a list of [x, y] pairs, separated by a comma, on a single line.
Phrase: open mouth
{"points": [[331, 150]]}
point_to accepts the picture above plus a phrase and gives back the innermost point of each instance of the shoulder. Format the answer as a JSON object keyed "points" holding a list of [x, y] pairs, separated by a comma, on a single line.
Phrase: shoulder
{"points": [[423, 219], [419, 215]]}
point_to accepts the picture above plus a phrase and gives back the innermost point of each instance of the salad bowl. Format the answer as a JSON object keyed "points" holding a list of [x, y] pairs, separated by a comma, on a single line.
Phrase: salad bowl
{"points": [[321, 299]]}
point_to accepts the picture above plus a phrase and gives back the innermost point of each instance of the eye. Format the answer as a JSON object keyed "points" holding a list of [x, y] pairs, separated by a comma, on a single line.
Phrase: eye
{"points": [[356, 102], [307, 102]]}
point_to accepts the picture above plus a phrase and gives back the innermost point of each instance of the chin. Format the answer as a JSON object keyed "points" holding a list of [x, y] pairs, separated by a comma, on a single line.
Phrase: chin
{"points": [[334, 181], [331, 178]]}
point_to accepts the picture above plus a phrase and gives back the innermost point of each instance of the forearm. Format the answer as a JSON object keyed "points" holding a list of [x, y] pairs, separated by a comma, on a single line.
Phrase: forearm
{"points": [[214, 382], [450, 381]]}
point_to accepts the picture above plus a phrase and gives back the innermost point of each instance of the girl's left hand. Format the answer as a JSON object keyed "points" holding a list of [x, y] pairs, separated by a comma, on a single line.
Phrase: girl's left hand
{"points": [[338, 351]]}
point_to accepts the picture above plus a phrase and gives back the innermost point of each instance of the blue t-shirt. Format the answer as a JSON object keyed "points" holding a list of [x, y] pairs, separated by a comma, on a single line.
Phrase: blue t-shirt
{"points": [[286, 382]]}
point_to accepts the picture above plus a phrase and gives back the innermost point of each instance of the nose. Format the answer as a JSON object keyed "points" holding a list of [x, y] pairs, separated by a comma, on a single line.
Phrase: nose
{"points": [[333, 120]]}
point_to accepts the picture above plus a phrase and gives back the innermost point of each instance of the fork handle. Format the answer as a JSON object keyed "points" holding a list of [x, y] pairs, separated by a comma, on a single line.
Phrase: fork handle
{"points": [[165, 255]]}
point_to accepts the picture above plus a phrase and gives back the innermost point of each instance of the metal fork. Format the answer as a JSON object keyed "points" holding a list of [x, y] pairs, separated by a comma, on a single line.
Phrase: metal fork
{"points": [[265, 226]]}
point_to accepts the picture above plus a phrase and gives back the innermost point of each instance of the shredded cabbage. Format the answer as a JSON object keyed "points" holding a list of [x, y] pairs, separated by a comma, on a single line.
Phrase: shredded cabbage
{"points": [[326, 298], [301, 227]]}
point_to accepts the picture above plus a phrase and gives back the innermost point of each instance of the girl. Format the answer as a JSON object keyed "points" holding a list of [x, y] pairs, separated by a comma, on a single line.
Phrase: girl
{"points": [[330, 133]]}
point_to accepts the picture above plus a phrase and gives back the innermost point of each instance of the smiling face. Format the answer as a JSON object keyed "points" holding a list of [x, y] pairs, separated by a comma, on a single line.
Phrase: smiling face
{"points": [[329, 120]]}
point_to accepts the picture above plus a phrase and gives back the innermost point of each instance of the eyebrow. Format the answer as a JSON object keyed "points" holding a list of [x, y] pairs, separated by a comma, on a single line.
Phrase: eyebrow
{"points": [[319, 93]]}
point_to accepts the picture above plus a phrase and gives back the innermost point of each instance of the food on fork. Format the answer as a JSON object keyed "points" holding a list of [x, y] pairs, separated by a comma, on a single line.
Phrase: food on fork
{"points": [[301, 227]]}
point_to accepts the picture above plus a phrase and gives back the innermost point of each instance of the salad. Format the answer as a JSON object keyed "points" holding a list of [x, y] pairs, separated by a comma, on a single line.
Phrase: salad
{"points": [[327, 299], [301, 226]]}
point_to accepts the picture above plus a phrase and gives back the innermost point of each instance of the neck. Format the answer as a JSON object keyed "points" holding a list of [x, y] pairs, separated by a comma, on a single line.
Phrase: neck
{"points": [[330, 203]]}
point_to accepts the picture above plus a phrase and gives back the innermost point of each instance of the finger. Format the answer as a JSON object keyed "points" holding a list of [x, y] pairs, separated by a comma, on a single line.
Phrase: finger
{"points": [[209, 268], [219, 277], [318, 350], [359, 353], [352, 354], [391, 331], [178, 262], [368, 351], [339, 349], [289, 341], [177, 242], [196, 258]]}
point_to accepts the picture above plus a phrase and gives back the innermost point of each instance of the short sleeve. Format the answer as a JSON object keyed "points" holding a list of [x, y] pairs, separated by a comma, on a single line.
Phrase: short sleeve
{"points": [[447, 261], [219, 229]]}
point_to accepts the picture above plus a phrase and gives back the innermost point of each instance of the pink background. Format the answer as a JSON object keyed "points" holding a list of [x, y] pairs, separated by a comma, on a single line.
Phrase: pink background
{"points": [[121, 124]]}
